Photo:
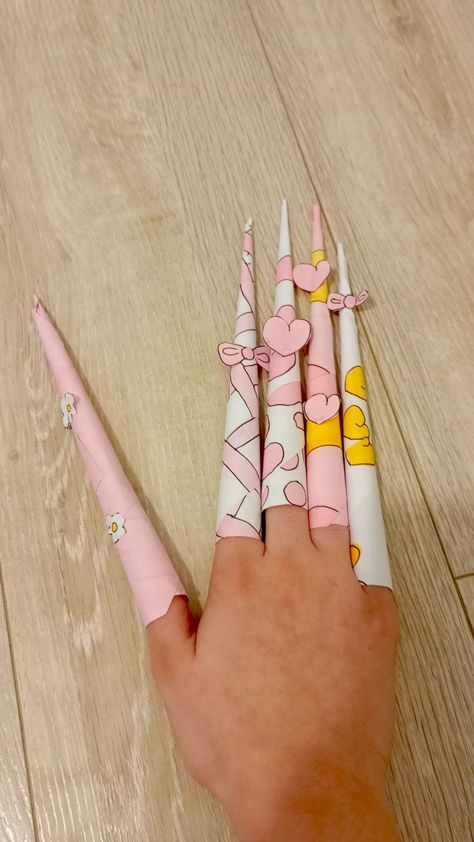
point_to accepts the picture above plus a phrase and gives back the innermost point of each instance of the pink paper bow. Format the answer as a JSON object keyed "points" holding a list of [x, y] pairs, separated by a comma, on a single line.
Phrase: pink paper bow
{"points": [[231, 354], [337, 301]]}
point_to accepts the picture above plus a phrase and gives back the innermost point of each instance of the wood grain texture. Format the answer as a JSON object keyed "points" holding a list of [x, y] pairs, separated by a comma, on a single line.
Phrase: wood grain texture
{"points": [[379, 97], [136, 139], [466, 589], [15, 806]]}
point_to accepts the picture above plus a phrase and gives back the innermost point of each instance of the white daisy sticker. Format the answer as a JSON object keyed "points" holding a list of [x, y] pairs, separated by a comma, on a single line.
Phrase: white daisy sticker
{"points": [[68, 408], [247, 258], [115, 526]]}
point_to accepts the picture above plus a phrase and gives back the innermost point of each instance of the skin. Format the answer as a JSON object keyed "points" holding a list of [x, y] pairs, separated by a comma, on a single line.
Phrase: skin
{"points": [[281, 697]]}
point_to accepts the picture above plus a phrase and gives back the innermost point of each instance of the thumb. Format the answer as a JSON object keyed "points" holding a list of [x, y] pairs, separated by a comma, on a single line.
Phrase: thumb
{"points": [[172, 641]]}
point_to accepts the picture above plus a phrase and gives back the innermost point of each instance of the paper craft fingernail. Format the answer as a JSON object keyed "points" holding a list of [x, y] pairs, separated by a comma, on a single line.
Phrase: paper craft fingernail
{"points": [[149, 570], [327, 500], [284, 470], [368, 543], [238, 507]]}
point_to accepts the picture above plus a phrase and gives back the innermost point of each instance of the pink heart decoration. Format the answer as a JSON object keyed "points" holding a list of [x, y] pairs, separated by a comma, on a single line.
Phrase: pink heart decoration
{"points": [[321, 408], [286, 338], [309, 277], [287, 312], [272, 457]]}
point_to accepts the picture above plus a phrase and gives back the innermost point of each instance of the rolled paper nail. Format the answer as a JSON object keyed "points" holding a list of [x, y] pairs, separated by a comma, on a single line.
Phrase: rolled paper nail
{"points": [[327, 500], [368, 543], [152, 577], [238, 507], [284, 469]]}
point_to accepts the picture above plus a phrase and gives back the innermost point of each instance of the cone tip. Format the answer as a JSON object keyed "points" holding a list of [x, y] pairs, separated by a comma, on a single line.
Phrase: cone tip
{"points": [[249, 225], [37, 306], [344, 285], [318, 239], [284, 247]]}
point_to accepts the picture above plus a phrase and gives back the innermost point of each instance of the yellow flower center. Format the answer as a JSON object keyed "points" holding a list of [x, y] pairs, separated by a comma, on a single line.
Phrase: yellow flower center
{"points": [[114, 527], [68, 407]]}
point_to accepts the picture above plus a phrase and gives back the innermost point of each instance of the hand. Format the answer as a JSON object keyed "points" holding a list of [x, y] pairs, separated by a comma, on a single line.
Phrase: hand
{"points": [[282, 696]]}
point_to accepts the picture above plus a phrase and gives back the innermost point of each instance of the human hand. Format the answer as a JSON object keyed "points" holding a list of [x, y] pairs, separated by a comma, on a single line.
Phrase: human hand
{"points": [[282, 695]]}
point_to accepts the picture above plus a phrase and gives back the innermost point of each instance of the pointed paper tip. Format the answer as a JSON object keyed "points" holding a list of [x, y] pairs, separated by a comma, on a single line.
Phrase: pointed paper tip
{"points": [[318, 239], [249, 225], [37, 305], [344, 285], [284, 247]]}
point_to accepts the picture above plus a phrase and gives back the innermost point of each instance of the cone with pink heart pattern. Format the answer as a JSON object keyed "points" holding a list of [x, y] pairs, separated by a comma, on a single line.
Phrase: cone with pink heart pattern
{"points": [[324, 457], [284, 470], [238, 507]]}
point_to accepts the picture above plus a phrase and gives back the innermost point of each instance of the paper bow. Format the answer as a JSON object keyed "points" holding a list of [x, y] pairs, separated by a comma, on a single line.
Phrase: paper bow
{"points": [[337, 301], [232, 354]]}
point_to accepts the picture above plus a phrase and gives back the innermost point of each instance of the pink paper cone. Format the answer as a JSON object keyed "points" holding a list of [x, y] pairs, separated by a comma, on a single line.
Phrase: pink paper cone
{"points": [[327, 501], [151, 575]]}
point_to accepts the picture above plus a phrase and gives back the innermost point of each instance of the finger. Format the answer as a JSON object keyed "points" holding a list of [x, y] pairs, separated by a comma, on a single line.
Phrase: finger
{"points": [[368, 543], [171, 641], [238, 508], [334, 551], [284, 468], [286, 527], [327, 502], [329, 538]]}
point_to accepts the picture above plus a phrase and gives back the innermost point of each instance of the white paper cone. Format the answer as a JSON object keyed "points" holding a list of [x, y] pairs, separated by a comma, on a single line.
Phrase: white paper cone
{"points": [[368, 543], [284, 469], [238, 508]]}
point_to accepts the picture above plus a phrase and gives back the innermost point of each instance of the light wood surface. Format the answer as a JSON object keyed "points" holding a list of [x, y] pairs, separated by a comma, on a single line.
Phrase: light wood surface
{"points": [[136, 139], [15, 816]]}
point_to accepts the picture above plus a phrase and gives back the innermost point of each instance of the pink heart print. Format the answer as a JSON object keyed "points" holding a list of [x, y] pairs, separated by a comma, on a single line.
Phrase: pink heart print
{"points": [[309, 277], [321, 408], [273, 457], [286, 338]]}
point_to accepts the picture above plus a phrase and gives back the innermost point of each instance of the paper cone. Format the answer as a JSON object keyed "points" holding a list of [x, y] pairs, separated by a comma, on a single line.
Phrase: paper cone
{"points": [[368, 544], [151, 575], [238, 508], [284, 470], [327, 501]]}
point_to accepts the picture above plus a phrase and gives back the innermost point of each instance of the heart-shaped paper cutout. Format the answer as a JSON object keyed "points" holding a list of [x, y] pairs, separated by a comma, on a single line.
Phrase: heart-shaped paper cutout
{"points": [[287, 312], [361, 453], [309, 277], [320, 408], [354, 424], [286, 338]]}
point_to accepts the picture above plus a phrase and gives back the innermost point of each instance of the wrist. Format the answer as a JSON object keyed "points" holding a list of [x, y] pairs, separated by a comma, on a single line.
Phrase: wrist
{"points": [[339, 807]]}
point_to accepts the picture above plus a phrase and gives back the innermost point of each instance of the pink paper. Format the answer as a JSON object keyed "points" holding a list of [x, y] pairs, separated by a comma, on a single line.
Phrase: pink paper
{"points": [[149, 570], [327, 501]]}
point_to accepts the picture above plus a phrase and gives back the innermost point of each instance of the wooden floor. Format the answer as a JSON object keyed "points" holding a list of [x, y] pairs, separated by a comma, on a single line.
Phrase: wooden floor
{"points": [[135, 140]]}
